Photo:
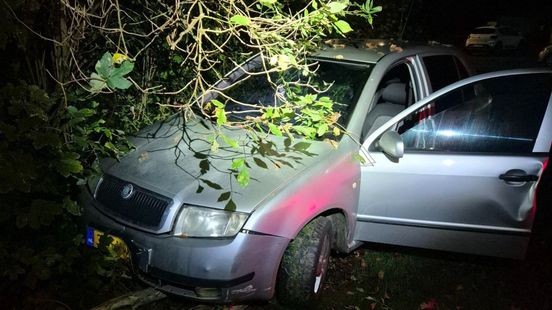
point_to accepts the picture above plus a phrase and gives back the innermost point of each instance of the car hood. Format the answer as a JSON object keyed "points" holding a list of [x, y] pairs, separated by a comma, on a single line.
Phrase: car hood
{"points": [[177, 159]]}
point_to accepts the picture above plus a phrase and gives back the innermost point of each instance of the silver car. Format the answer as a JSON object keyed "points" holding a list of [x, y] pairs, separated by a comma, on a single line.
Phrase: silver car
{"points": [[433, 158], [495, 38]]}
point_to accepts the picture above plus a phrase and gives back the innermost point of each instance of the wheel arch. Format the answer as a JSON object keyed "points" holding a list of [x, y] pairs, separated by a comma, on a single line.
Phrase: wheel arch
{"points": [[340, 229]]}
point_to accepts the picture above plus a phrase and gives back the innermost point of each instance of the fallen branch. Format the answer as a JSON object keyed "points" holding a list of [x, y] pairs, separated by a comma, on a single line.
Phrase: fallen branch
{"points": [[132, 300]]}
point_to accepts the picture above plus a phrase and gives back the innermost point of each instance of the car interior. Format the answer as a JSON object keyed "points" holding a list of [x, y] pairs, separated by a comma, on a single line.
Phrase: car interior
{"points": [[393, 95]]}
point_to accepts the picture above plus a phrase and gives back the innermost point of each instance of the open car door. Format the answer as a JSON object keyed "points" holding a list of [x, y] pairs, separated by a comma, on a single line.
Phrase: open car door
{"points": [[458, 170]]}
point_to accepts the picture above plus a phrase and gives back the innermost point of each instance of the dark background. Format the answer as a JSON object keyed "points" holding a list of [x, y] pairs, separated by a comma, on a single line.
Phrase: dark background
{"points": [[450, 21]]}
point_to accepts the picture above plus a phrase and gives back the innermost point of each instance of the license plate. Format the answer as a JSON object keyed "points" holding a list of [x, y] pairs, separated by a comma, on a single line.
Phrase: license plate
{"points": [[117, 246]]}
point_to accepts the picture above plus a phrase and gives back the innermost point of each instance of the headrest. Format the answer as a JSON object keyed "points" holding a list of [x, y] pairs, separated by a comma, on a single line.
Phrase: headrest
{"points": [[394, 93]]}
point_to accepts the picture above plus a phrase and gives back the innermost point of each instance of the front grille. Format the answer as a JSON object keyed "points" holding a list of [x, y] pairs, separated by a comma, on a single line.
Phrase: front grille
{"points": [[143, 207]]}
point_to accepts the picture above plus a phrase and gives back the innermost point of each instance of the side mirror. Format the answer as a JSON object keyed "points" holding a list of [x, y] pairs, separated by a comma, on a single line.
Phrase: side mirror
{"points": [[391, 144]]}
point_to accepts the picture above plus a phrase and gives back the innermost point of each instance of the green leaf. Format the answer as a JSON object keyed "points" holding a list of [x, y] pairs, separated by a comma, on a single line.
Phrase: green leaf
{"points": [[69, 164], [199, 189], [308, 132], [336, 7], [97, 83], [85, 112], [118, 82], [325, 102], [287, 142], [230, 206], [238, 163], [200, 155], [243, 177], [71, 206], [204, 166], [224, 196], [221, 116], [239, 20], [301, 146], [104, 66], [322, 129], [125, 68], [231, 142], [211, 184], [214, 146], [177, 59], [274, 130], [376, 9], [217, 103], [343, 26], [260, 163]]}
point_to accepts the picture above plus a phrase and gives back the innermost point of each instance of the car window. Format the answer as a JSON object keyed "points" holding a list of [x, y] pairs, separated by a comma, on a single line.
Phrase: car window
{"points": [[442, 70], [498, 115], [400, 73], [394, 93], [342, 82]]}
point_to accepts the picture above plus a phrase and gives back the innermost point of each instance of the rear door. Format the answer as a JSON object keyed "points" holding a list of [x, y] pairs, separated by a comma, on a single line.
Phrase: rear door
{"points": [[474, 153]]}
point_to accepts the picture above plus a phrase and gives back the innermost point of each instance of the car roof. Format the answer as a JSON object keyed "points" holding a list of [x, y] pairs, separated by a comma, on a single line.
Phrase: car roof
{"points": [[372, 50]]}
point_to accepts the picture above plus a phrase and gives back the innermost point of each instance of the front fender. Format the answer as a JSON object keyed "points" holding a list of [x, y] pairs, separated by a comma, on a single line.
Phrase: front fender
{"points": [[332, 184]]}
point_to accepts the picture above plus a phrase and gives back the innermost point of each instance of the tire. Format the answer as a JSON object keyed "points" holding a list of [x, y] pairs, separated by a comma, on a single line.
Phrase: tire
{"points": [[305, 264]]}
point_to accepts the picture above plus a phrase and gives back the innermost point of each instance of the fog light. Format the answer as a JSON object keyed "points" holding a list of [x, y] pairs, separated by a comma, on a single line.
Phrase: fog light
{"points": [[208, 292]]}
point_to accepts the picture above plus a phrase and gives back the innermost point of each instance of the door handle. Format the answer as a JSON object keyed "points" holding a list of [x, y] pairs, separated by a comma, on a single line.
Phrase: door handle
{"points": [[518, 175]]}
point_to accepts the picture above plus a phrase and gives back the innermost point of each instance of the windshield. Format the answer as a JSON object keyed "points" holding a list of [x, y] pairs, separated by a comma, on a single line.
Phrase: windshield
{"points": [[340, 81]]}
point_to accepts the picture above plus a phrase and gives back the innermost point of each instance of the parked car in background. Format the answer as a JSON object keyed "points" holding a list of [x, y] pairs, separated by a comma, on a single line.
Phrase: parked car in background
{"points": [[545, 56], [432, 158], [494, 38]]}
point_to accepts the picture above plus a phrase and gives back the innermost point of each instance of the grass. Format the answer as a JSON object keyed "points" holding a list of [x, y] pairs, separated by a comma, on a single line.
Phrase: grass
{"points": [[382, 278]]}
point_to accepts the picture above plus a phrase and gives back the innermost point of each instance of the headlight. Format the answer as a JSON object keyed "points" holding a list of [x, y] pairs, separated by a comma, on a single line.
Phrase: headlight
{"points": [[204, 222]]}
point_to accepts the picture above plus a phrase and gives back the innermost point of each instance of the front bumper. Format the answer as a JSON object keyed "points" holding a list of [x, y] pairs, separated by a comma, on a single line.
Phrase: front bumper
{"points": [[215, 270]]}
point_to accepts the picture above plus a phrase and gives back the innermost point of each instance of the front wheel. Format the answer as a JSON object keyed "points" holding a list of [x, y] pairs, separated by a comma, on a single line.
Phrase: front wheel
{"points": [[305, 264]]}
